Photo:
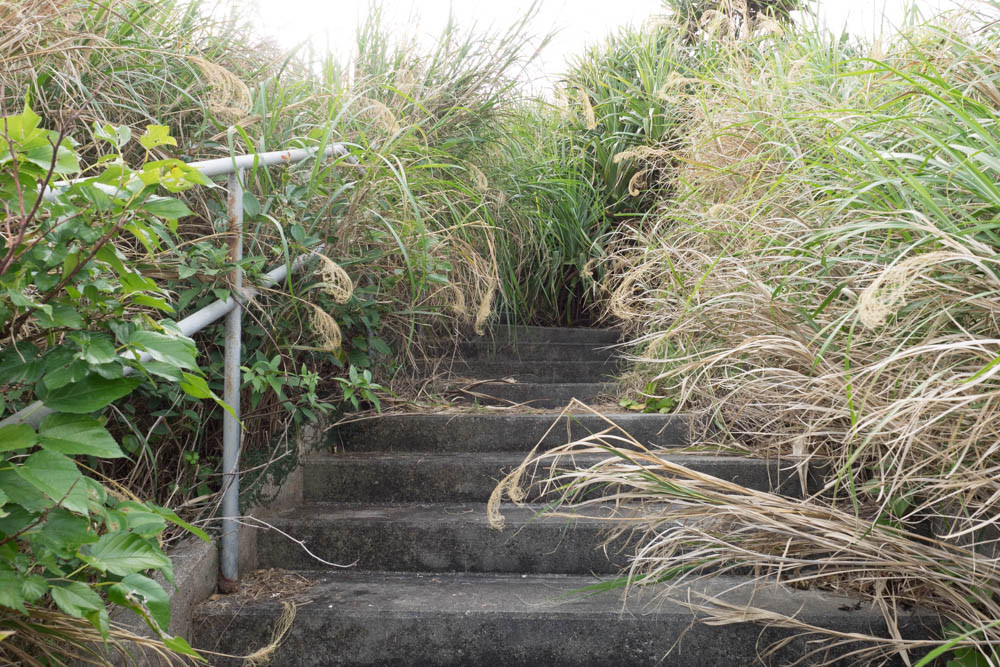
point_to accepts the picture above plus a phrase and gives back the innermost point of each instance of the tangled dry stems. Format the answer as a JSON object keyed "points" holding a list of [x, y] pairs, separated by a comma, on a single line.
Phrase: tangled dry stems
{"points": [[693, 525], [822, 284]]}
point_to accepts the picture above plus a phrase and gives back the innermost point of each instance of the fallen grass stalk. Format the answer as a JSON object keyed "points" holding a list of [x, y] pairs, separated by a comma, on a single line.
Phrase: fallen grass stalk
{"points": [[693, 525]]}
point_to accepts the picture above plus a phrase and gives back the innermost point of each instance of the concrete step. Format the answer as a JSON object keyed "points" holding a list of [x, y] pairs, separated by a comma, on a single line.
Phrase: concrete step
{"points": [[533, 334], [354, 618], [525, 371], [500, 350], [421, 477], [453, 537], [469, 432], [537, 395]]}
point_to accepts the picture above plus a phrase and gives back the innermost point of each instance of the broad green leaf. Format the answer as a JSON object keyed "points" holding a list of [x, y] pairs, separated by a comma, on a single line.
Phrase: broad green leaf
{"points": [[114, 520], [18, 520], [60, 316], [66, 162], [138, 590], [180, 645], [95, 349], [157, 135], [152, 302], [66, 532], [196, 387], [76, 598], [20, 129], [112, 371], [19, 299], [141, 520], [96, 491], [173, 175], [166, 207], [100, 620], [176, 351], [133, 282], [176, 179], [123, 554], [22, 493], [17, 436], [251, 207], [109, 255], [172, 517], [78, 434], [21, 363], [163, 370], [63, 375], [90, 394], [118, 136], [57, 477], [11, 595], [34, 587]]}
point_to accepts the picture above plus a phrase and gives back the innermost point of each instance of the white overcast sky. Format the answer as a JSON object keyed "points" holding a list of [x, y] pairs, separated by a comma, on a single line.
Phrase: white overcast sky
{"points": [[578, 22]]}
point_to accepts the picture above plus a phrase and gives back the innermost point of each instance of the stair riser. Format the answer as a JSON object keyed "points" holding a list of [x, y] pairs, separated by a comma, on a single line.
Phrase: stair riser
{"points": [[400, 546], [488, 351], [529, 371], [320, 637], [533, 403], [492, 433], [530, 335], [377, 480], [544, 396]]}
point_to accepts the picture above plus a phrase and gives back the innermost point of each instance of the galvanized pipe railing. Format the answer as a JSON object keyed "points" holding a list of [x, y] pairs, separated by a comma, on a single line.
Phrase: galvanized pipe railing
{"points": [[228, 559], [231, 309]]}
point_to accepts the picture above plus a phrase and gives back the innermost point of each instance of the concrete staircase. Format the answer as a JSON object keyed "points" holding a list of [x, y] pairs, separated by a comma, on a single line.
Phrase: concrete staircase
{"points": [[404, 497]]}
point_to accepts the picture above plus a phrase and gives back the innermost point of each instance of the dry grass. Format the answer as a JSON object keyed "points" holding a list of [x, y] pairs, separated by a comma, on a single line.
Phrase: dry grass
{"points": [[49, 637], [821, 282], [717, 527]]}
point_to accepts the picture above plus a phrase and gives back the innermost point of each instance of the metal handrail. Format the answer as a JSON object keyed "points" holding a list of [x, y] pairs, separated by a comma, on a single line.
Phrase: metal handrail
{"points": [[233, 167]]}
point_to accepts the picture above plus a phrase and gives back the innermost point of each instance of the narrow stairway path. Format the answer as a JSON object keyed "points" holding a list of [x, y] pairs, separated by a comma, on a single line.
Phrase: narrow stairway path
{"points": [[404, 497]]}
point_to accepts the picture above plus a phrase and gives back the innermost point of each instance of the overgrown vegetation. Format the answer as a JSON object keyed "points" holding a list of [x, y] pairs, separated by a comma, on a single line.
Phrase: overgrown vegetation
{"points": [[66, 536], [797, 231], [818, 279], [404, 244]]}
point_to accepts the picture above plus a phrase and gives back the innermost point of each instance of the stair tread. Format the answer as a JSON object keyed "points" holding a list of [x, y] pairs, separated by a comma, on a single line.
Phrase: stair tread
{"points": [[547, 386], [604, 418], [533, 334], [538, 371], [551, 394], [514, 346], [375, 592], [355, 618], [514, 457], [524, 363], [438, 513]]}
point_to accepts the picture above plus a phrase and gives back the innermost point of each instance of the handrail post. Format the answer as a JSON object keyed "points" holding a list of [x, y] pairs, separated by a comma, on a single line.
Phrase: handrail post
{"points": [[229, 558]]}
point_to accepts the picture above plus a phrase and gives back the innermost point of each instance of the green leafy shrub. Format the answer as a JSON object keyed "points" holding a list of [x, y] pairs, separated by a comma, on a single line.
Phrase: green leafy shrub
{"points": [[75, 318]]}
